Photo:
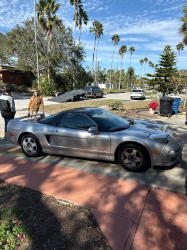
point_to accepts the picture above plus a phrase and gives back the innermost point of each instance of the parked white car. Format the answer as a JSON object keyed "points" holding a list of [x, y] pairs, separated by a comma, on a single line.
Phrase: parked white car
{"points": [[138, 94]]}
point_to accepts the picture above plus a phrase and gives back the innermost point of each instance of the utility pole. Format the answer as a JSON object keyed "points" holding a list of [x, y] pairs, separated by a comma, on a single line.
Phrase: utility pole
{"points": [[36, 44]]}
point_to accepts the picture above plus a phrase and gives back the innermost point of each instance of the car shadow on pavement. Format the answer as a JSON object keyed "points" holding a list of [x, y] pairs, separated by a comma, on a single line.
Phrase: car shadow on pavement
{"points": [[103, 195]]}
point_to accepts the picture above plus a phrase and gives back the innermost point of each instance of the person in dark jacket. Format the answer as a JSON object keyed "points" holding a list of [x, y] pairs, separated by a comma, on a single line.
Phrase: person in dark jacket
{"points": [[7, 107]]}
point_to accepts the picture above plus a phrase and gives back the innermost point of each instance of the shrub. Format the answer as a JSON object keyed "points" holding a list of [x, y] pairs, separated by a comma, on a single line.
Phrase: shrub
{"points": [[22, 88], [46, 87], [12, 231], [35, 84], [116, 105]]}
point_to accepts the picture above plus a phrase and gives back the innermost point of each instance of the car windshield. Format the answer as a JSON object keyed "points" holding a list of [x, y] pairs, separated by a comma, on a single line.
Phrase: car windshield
{"points": [[108, 121], [137, 90], [87, 88]]}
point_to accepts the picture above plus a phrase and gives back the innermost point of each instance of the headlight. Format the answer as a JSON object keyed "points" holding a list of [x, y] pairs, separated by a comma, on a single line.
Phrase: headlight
{"points": [[162, 140], [171, 152]]}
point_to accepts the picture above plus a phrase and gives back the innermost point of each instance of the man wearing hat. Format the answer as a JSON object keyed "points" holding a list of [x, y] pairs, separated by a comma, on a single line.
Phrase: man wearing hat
{"points": [[7, 106]]}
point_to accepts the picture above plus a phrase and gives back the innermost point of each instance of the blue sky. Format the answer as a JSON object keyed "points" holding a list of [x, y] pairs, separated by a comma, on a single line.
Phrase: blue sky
{"points": [[148, 25]]}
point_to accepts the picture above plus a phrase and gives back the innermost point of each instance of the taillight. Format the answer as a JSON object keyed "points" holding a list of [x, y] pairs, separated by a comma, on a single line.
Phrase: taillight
{"points": [[91, 92], [12, 134]]}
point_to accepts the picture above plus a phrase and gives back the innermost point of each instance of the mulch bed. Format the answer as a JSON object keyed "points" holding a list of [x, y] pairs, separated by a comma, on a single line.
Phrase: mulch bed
{"points": [[141, 113], [53, 225]]}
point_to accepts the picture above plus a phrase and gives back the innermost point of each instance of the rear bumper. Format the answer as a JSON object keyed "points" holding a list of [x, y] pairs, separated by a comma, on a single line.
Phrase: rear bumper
{"points": [[138, 97]]}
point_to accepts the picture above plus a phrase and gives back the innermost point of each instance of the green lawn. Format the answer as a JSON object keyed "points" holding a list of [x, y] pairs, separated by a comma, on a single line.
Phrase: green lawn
{"points": [[94, 103]]}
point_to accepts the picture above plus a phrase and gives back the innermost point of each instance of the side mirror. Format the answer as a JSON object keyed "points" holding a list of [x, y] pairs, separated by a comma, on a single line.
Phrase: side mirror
{"points": [[93, 130]]}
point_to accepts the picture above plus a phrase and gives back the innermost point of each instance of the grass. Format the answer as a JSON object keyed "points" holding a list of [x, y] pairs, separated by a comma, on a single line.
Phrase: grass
{"points": [[115, 91], [82, 104], [136, 105], [95, 103], [151, 93]]}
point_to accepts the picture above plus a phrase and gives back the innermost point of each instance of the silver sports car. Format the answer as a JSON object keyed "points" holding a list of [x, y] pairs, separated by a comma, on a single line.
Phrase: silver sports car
{"points": [[98, 134]]}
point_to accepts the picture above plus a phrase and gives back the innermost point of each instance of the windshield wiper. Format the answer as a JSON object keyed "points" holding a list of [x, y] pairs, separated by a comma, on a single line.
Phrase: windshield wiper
{"points": [[118, 129]]}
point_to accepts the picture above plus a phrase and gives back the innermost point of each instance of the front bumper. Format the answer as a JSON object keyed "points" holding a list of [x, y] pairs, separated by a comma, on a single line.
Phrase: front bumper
{"points": [[171, 152]]}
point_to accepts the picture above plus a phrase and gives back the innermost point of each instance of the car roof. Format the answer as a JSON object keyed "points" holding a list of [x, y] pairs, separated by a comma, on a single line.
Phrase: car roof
{"points": [[137, 89], [80, 110]]}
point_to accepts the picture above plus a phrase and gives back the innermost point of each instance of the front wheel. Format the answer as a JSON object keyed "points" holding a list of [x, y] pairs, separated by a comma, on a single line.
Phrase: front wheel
{"points": [[133, 157], [30, 146]]}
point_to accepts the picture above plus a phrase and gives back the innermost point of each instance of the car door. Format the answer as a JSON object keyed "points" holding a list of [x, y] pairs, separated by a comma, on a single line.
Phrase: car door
{"points": [[72, 138]]}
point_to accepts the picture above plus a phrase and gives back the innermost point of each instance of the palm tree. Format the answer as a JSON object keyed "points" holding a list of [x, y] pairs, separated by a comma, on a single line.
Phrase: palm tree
{"points": [[183, 29], [150, 65], [145, 61], [82, 18], [179, 47], [122, 51], [141, 62], [78, 4], [99, 33], [131, 49], [47, 19], [115, 39], [96, 29]]}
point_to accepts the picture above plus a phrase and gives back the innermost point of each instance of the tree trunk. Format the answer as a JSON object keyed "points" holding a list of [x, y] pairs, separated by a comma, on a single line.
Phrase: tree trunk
{"points": [[37, 61], [93, 55], [111, 65], [117, 70], [130, 61], [80, 27], [120, 70], [140, 74], [76, 11], [96, 63], [49, 52]]}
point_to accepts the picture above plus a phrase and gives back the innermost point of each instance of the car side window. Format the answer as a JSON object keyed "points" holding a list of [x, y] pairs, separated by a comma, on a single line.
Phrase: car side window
{"points": [[77, 121]]}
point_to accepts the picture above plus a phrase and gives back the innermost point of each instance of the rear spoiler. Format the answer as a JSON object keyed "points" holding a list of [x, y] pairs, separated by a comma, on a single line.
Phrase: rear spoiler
{"points": [[38, 116]]}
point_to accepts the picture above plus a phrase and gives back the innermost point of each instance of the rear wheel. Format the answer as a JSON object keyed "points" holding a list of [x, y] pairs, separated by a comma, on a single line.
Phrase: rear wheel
{"points": [[30, 146], [133, 157], [94, 96]]}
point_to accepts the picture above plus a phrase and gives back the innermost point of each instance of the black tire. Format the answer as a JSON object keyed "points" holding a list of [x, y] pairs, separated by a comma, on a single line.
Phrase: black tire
{"points": [[30, 145], [94, 96], [135, 158]]}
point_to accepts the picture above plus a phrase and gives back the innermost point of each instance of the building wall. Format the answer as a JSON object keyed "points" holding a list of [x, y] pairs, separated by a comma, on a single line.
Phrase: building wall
{"points": [[16, 78]]}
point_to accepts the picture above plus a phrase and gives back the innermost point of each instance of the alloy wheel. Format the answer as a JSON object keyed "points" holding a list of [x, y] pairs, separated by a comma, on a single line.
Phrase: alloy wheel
{"points": [[132, 158], [29, 146]]}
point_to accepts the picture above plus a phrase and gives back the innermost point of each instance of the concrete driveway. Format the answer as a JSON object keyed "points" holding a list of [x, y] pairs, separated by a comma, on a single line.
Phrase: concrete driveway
{"points": [[172, 178]]}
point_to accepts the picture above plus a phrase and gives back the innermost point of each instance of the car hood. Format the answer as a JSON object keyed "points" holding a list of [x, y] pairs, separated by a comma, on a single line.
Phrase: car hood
{"points": [[148, 127]]}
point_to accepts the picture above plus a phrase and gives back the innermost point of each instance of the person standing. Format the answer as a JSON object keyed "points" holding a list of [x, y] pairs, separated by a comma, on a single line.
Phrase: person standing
{"points": [[7, 107], [34, 104]]}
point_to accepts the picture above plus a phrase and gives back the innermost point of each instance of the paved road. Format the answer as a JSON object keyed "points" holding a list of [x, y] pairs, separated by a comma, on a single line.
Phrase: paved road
{"points": [[167, 178], [22, 101]]}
